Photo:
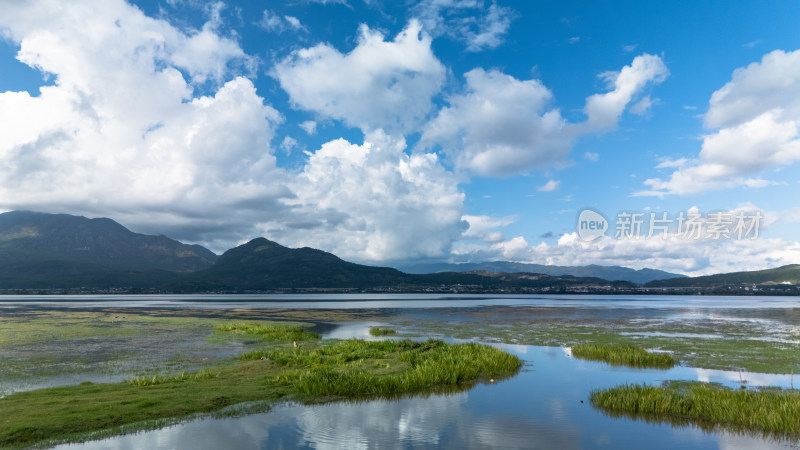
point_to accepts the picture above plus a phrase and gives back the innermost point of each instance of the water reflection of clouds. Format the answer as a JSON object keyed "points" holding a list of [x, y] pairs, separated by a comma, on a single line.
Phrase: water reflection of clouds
{"points": [[239, 434], [411, 421], [424, 422], [732, 441], [558, 409], [543, 407], [510, 432], [517, 349], [749, 378], [350, 330]]}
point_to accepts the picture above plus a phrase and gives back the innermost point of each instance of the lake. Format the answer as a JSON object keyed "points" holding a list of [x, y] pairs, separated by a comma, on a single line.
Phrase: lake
{"points": [[390, 301], [545, 406]]}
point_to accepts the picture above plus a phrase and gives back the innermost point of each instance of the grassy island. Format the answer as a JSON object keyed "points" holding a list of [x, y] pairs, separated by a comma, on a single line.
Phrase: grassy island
{"points": [[378, 331], [295, 365], [774, 411], [623, 355]]}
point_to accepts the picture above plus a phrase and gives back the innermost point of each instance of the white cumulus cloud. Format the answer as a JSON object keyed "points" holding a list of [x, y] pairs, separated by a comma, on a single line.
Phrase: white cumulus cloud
{"points": [[673, 254], [374, 202], [121, 131], [484, 228], [378, 85], [757, 120], [696, 249], [603, 110], [500, 126]]}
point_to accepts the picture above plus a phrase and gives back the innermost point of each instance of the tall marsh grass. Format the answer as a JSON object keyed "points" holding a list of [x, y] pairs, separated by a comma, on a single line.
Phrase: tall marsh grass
{"points": [[773, 412], [623, 355], [388, 368], [378, 331]]}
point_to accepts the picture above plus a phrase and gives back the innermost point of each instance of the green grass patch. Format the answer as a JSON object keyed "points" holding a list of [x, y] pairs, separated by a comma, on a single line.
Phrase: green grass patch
{"points": [[388, 368], [310, 373], [37, 327], [707, 405], [42, 346], [268, 331], [73, 413], [378, 331], [623, 355]]}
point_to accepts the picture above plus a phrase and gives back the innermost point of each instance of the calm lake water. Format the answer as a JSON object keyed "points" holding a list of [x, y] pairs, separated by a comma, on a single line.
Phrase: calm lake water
{"points": [[393, 301], [545, 406]]}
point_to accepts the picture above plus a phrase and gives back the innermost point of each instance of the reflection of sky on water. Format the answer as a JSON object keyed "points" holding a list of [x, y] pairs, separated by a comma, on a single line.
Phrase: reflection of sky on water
{"points": [[774, 325], [545, 406], [350, 330], [675, 335], [733, 379]]}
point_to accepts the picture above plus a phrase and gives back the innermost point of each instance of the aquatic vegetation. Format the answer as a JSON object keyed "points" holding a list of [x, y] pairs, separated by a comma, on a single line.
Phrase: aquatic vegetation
{"points": [[771, 411], [623, 355], [387, 368], [268, 331], [378, 331], [769, 344], [311, 373], [41, 326], [44, 347], [164, 342]]}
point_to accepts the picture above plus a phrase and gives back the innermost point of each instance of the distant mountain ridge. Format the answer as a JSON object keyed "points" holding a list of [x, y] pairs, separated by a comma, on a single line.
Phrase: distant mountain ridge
{"points": [[610, 273], [264, 264], [60, 253], [43, 249]]}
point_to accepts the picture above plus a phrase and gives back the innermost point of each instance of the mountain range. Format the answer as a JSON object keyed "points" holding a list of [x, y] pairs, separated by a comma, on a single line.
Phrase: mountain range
{"points": [[52, 252], [60, 251], [640, 276], [788, 275]]}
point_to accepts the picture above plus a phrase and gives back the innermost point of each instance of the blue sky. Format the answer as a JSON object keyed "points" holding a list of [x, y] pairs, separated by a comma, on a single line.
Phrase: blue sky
{"points": [[397, 132]]}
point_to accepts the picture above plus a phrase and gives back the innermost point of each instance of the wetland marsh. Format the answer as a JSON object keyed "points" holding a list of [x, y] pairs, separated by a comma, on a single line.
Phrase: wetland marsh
{"points": [[750, 343]]}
